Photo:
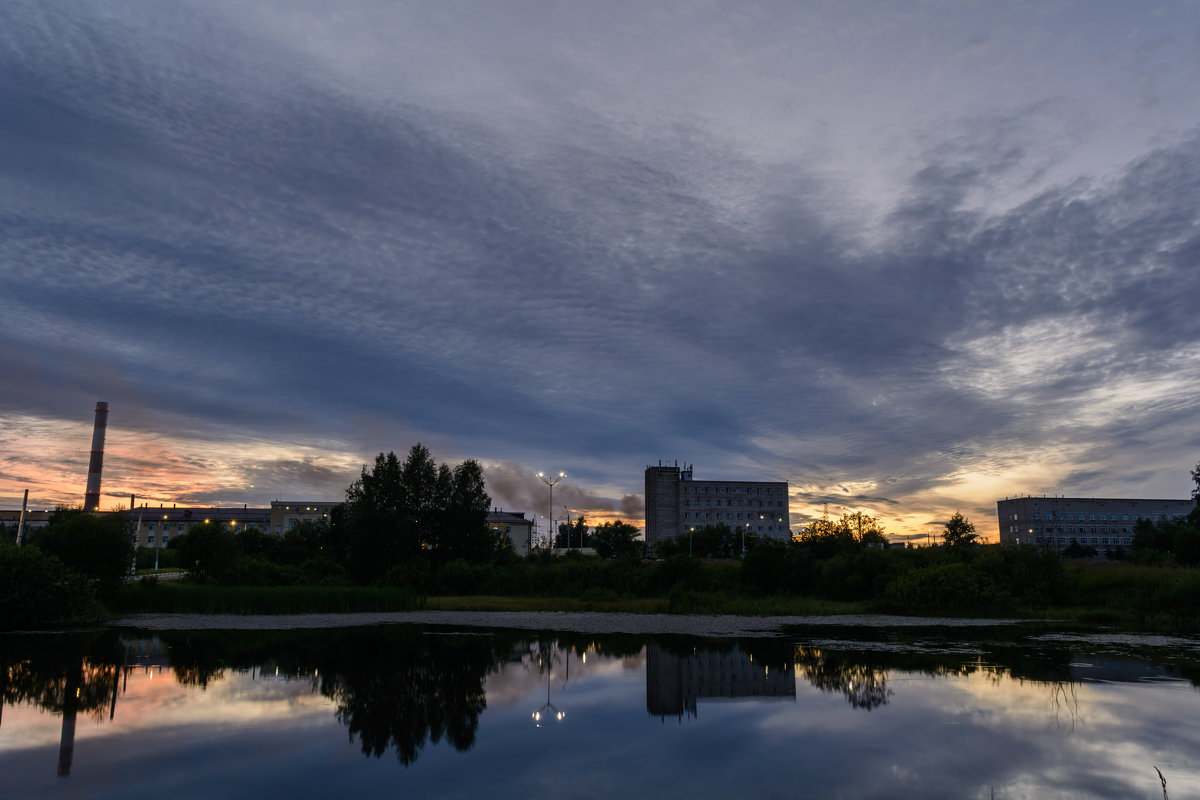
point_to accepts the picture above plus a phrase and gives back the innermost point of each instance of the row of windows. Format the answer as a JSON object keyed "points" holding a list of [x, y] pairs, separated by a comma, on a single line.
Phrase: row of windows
{"points": [[732, 490], [1082, 529], [1100, 540], [769, 528], [1071, 516], [709, 515], [166, 539], [770, 503]]}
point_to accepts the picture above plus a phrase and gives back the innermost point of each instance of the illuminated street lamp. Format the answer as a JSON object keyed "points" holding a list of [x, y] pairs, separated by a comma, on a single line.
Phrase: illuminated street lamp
{"points": [[550, 482]]}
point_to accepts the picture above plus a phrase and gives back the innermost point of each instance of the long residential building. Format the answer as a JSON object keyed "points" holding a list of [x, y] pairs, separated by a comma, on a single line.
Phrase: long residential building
{"points": [[1100, 522], [676, 504]]}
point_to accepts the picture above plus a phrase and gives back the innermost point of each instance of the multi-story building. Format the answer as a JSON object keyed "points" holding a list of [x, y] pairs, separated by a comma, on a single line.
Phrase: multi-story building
{"points": [[286, 515], [156, 527], [514, 525], [676, 503], [1059, 522], [34, 520]]}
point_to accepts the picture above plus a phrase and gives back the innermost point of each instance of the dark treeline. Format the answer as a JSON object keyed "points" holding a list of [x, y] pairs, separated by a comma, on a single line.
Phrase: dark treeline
{"points": [[419, 528]]}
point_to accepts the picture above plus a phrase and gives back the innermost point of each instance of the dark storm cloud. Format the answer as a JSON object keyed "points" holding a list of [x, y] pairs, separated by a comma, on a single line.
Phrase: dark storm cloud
{"points": [[222, 231]]}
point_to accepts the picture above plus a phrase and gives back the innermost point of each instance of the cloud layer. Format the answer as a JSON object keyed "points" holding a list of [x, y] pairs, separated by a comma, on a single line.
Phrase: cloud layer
{"points": [[909, 261]]}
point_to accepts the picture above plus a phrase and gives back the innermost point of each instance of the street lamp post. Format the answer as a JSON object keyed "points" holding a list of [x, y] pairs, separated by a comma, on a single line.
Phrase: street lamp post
{"points": [[550, 482], [158, 542]]}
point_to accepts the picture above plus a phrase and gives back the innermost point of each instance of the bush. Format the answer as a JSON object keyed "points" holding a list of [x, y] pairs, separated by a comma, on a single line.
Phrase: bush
{"points": [[945, 588], [168, 557], [99, 548], [38, 590], [208, 551]]}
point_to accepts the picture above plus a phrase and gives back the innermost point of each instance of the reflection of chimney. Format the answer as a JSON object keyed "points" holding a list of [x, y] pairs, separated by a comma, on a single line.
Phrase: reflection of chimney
{"points": [[66, 744], [91, 500]]}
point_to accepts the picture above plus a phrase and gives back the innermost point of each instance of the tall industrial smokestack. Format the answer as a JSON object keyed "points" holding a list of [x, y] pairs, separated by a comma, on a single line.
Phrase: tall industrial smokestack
{"points": [[91, 500]]}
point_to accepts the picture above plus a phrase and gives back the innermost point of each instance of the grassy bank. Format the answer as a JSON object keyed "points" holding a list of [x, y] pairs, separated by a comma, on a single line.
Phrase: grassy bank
{"points": [[178, 597], [688, 603], [1092, 593]]}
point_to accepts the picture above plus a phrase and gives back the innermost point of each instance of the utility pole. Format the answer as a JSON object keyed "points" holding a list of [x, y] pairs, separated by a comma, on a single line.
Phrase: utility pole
{"points": [[21, 521]]}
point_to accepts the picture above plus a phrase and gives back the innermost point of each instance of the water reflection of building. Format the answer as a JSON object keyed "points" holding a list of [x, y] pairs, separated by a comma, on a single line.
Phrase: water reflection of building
{"points": [[674, 683]]}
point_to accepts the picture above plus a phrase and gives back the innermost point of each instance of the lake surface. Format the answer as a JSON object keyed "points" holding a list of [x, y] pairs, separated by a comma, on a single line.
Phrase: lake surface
{"points": [[435, 711]]}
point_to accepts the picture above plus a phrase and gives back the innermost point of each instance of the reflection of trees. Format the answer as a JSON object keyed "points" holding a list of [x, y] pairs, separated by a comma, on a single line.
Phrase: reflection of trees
{"points": [[401, 692], [863, 685], [69, 676], [396, 688], [59, 673], [861, 673]]}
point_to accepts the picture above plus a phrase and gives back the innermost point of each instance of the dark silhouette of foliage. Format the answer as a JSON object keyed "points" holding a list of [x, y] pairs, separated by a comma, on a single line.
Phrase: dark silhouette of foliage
{"points": [[959, 531], [395, 513], [615, 539], [37, 590], [97, 546], [209, 551]]}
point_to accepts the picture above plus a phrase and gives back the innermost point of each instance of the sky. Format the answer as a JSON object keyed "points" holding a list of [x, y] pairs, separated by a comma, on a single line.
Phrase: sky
{"points": [[909, 257]]}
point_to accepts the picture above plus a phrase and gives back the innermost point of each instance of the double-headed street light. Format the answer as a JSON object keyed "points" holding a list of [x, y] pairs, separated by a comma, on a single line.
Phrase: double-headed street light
{"points": [[550, 482]]}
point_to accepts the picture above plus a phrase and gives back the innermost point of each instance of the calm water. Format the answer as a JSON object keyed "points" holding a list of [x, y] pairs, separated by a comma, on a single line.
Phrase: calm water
{"points": [[430, 712]]}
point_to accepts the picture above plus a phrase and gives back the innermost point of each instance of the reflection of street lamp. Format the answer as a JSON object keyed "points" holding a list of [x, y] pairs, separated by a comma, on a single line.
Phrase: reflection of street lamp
{"points": [[550, 482], [548, 711]]}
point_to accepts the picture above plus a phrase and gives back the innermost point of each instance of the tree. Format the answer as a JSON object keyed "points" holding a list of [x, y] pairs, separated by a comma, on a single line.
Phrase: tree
{"points": [[959, 531], [208, 550], [865, 528], [826, 537], [98, 547], [397, 513], [573, 534], [615, 539], [372, 517], [464, 531]]}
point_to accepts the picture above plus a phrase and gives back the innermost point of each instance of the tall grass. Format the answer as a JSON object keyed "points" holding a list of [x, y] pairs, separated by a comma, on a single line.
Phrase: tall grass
{"points": [[185, 598]]}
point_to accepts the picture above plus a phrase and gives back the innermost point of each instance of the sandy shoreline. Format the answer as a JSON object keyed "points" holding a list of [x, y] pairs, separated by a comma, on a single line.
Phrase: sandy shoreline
{"points": [[579, 622]]}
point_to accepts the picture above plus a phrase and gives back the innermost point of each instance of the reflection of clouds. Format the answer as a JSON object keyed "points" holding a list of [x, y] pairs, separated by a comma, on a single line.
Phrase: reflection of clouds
{"points": [[520, 675], [1029, 738]]}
